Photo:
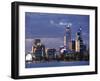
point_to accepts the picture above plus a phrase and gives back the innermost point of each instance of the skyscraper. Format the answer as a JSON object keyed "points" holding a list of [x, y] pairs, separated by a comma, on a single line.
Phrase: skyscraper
{"points": [[73, 45], [79, 40], [67, 38], [38, 49]]}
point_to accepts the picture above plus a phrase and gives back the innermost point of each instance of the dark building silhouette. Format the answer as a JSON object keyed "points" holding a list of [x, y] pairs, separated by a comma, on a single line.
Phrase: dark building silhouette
{"points": [[37, 41], [50, 53], [38, 49], [73, 45]]}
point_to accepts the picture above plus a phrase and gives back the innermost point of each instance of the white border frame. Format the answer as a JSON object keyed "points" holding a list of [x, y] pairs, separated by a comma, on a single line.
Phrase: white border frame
{"points": [[39, 71]]}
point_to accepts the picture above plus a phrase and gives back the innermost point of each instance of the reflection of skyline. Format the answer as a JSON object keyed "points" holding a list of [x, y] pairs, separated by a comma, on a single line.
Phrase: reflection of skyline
{"points": [[50, 27]]}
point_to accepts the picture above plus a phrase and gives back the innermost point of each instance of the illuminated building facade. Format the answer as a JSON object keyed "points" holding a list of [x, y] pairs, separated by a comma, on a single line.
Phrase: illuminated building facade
{"points": [[79, 41], [73, 45], [38, 49], [67, 39]]}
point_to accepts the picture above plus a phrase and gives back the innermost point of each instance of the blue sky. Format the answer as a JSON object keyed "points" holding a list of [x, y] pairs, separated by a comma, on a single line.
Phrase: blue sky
{"points": [[53, 25], [50, 25]]}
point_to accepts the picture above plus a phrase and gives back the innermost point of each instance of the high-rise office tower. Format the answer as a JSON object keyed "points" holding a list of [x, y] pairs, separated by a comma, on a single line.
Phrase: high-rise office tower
{"points": [[67, 38], [38, 49], [79, 41], [73, 45]]}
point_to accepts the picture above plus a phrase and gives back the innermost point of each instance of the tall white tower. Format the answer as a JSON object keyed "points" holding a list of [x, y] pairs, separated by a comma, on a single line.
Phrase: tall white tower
{"points": [[67, 38]]}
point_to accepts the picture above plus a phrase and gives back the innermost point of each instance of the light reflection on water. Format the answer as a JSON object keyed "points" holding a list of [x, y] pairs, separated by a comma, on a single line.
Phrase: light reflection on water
{"points": [[56, 64]]}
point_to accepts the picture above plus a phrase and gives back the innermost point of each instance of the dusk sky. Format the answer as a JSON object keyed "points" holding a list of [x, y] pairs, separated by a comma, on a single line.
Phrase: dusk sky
{"points": [[52, 26]]}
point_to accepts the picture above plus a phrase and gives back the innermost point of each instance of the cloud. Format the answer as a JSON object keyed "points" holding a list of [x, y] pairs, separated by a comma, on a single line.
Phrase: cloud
{"points": [[65, 23], [60, 23]]}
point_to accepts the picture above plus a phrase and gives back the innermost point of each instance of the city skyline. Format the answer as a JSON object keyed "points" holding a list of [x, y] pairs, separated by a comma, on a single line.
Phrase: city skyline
{"points": [[51, 27], [56, 38]]}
